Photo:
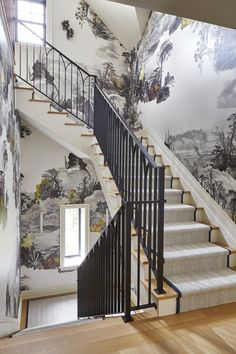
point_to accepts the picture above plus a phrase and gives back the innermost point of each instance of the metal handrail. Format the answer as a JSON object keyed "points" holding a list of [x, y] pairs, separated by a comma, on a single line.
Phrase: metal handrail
{"points": [[139, 179], [124, 123], [56, 76], [50, 45]]}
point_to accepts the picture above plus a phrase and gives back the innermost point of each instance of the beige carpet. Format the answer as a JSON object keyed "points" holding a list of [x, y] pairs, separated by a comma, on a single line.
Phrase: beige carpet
{"points": [[52, 310]]}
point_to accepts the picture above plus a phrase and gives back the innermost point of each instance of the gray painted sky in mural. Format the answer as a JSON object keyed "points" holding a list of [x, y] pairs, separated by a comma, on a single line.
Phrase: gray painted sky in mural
{"points": [[227, 98]]}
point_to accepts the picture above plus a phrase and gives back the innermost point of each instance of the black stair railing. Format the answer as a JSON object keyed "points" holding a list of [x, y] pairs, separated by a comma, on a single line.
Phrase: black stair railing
{"points": [[53, 74], [104, 277], [138, 178]]}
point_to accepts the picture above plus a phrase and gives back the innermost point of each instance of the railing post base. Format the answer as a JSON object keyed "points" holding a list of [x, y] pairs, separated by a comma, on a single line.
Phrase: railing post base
{"points": [[128, 318], [159, 292]]}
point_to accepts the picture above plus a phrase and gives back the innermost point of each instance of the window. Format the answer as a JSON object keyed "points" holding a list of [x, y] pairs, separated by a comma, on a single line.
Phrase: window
{"points": [[32, 14], [74, 221]]}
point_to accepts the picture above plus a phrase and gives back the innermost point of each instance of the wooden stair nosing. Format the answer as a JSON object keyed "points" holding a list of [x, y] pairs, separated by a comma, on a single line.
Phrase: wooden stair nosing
{"points": [[36, 100], [62, 113], [23, 88]]}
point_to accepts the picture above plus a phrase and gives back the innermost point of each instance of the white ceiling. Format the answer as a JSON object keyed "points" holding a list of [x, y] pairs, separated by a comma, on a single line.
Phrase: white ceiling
{"points": [[126, 22], [219, 12]]}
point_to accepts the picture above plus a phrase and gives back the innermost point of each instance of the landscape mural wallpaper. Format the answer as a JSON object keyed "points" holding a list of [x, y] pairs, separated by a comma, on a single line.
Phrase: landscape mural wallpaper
{"points": [[110, 62], [9, 185], [185, 89], [75, 182]]}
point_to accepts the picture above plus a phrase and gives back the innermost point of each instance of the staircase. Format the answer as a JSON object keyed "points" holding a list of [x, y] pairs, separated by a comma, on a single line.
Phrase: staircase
{"points": [[153, 253], [196, 265]]}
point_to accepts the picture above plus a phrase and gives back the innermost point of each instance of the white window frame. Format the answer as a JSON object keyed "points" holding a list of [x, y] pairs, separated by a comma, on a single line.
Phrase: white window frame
{"points": [[44, 24], [63, 266]]}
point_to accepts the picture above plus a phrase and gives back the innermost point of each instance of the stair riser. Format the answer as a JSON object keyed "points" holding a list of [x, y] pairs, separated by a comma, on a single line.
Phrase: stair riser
{"points": [[177, 215], [195, 264], [179, 238], [170, 197], [191, 265], [208, 299], [185, 237]]}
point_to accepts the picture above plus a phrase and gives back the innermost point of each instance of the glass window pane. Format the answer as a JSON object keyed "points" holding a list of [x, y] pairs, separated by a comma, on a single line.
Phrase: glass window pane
{"points": [[25, 36], [72, 231], [28, 11]]}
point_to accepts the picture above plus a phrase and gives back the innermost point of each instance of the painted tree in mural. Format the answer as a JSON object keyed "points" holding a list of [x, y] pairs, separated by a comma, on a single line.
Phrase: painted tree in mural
{"points": [[213, 187], [50, 186], [225, 149], [87, 187], [155, 86], [85, 14]]}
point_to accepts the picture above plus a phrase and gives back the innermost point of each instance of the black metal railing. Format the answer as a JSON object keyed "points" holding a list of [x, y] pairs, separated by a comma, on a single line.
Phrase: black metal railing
{"points": [[104, 277], [138, 178], [53, 74]]}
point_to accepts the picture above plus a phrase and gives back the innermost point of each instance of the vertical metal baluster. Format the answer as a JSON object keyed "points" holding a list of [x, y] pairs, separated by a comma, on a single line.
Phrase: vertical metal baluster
{"points": [[129, 168], [71, 87], [145, 204], [123, 260], [112, 269], [139, 230], [27, 62], [118, 263], [46, 71], [128, 218], [154, 231], [41, 67], [89, 104], [149, 208], [33, 64], [160, 245], [59, 79], [53, 73], [115, 267], [77, 94], [20, 59]]}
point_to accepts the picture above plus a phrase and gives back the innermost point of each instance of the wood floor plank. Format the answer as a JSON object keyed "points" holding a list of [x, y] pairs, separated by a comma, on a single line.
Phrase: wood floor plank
{"points": [[208, 331]]}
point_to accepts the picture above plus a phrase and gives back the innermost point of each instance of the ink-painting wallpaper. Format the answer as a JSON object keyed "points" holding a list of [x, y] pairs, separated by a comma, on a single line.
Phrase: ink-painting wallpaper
{"points": [[185, 88], [59, 178], [9, 185]]}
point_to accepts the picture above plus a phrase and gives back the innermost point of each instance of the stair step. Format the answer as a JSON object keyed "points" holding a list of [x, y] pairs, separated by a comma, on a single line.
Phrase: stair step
{"points": [[185, 233], [179, 213], [205, 289], [172, 196], [199, 257]]}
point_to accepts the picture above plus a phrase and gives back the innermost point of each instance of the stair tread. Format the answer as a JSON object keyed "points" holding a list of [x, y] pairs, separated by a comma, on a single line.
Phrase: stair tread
{"points": [[192, 283], [185, 226], [202, 249]]}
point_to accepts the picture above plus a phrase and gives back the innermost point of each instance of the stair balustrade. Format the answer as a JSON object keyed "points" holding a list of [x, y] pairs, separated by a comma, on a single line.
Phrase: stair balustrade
{"points": [[104, 277]]}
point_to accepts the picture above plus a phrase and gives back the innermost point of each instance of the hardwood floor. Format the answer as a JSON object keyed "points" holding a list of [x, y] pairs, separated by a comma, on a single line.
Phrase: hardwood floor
{"points": [[206, 331]]}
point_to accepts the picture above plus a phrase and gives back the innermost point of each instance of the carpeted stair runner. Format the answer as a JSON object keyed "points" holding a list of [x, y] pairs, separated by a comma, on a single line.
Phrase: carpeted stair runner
{"points": [[197, 268]]}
